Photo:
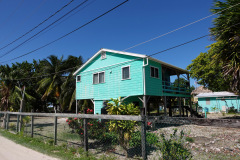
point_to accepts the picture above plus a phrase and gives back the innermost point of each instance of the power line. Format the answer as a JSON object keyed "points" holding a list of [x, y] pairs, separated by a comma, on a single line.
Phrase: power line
{"points": [[179, 28], [43, 29], [68, 32], [66, 18], [37, 25], [24, 20], [129, 61]]}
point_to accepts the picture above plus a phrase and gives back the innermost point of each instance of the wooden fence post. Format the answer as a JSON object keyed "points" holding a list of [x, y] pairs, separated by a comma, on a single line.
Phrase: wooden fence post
{"points": [[17, 128], [143, 134], [55, 130], [8, 119], [85, 132], [32, 123]]}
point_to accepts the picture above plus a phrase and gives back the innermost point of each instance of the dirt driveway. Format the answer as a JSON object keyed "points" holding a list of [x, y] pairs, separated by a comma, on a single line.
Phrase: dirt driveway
{"points": [[12, 151]]}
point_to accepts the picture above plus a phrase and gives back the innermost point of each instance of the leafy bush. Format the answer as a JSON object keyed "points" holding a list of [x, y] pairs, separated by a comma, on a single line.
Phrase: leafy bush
{"points": [[123, 129], [111, 138], [173, 148], [189, 139], [232, 110], [95, 128], [135, 140]]}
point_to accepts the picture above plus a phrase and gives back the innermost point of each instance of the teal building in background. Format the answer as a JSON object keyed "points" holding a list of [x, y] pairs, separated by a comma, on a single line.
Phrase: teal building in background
{"points": [[113, 74], [219, 101]]}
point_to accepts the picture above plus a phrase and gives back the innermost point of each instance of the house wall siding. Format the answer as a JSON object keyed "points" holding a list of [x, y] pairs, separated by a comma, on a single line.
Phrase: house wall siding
{"points": [[153, 85], [114, 86], [219, 103]]}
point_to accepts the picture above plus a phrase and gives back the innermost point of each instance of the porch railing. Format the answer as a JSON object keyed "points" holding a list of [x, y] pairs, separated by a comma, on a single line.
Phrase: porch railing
{"points": [[169, 87]]}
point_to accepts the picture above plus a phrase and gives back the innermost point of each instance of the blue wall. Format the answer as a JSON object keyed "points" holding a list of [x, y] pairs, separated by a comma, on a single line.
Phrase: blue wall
{"points": [[216, 102]]}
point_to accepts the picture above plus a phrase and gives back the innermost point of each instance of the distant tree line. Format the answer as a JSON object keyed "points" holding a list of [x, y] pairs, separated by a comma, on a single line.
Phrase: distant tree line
{"points": [[42, 83]]}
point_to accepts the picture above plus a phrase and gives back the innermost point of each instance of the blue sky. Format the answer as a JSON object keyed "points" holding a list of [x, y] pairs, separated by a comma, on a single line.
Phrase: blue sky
{"points": [[134, 22]]}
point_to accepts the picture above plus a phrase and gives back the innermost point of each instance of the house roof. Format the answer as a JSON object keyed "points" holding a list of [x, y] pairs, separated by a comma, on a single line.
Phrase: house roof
{"points": [[130, 54], [200, 89], [217, 94]]}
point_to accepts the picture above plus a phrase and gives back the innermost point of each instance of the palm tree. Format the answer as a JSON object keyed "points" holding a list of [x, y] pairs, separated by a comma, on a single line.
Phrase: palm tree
{"points": [[69, 86], [51, 84]]}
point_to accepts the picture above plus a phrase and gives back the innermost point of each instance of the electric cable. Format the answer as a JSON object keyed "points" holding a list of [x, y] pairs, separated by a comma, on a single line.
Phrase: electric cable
{"points": [[65, 35], [37, 25], [179, 28], [129, 61], [43, 29]]}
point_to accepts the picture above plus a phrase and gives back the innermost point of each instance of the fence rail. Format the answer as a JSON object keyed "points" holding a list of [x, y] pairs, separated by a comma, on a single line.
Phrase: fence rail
{"points": [[85, 117]]}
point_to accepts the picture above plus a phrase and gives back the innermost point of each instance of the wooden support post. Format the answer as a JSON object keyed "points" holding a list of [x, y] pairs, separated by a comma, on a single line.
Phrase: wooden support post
{"points": [[8, 119], [165, 106], [76, 107], [85, 132], [145, 104], [170, 107], [55, 130], [17, 128], [180, 107], [32, 124], [143, 134], [190, 105]]}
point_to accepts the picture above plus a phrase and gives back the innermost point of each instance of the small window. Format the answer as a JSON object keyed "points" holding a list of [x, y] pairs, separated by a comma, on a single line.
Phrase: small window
{"points": [[78, 78], [154, 72], [207, 101], [126, 72], [103, 55], [99, 77]]}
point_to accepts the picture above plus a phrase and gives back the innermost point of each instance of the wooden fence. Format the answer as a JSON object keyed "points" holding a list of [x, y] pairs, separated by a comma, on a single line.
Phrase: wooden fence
{"points": [[85, 117]]}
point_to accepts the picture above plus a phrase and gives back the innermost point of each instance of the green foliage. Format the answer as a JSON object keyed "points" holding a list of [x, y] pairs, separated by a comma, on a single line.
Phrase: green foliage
{"points": [[189, 139], [57, 89], [232, 110], [214, 109], [110, 137], [135, 140], [12, 127], [96, 129], [123, 129], [219, 68], [50, 142], [207, 73], [173, 148]]}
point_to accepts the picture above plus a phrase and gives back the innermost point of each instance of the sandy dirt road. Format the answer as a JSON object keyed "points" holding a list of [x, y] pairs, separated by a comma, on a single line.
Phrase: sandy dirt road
{"points": [[12, 151]]}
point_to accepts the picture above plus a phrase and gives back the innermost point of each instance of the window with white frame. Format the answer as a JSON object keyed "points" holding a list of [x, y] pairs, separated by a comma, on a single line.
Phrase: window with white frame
{"points": [[126, 72], [103, 55], [78, 78], [98, 77], [154, 72]]}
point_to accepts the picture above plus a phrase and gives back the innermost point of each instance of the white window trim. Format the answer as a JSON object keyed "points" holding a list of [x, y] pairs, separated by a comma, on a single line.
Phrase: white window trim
{"points": [[98, 77], [105, 55], [154, 72], [129, 72], [77, 78]]}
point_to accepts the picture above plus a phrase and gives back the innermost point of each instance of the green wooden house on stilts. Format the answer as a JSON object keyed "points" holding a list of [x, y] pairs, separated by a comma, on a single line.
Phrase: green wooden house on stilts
{"points": [[136, 78]]}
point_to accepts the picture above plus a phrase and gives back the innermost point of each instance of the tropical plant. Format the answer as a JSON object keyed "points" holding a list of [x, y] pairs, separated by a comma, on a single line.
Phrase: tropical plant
{"points": [[172, 148], [124, 129]]}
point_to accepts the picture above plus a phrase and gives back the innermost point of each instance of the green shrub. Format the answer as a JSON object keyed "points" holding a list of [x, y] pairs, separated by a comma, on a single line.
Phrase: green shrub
{"points": [[96, 129], [231, 110], [173, 148], [135, 140], [189, 139], [50, 142], [110, 137], [12, 126]]}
